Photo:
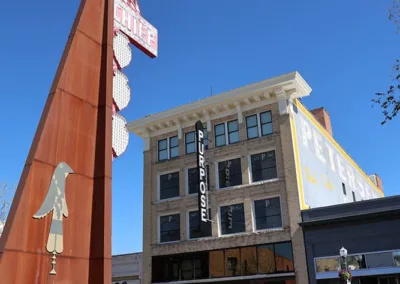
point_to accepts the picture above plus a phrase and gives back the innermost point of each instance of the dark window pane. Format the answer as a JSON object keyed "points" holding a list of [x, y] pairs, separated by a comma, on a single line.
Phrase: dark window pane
{"points": [[266, 129], [194, 225], [169, 185], [265, 117], [249, 260], [220, 129], [266, 123], [252, 132], [268, 213], [217, 267], [396, 256], [229, 173], [284, 257], [251, 121], [265, 259], [187, 269], [173, 141], [232, 219], [162, 144], [232, 262], [174, 152], [189, 137], [233, 126], [383, 259], [263, 166], [220, 140], [190, 142], [170, 228], [162, 155], [193, 179], [190, 148], [205, 138], [233, 137]]}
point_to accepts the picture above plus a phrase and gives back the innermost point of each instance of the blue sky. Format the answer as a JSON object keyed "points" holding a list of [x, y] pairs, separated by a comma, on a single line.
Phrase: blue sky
{"points": [[343, 49]]}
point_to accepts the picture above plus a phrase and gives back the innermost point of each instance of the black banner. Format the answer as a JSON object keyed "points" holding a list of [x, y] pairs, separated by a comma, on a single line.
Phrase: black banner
{"points": [[202, 176]]}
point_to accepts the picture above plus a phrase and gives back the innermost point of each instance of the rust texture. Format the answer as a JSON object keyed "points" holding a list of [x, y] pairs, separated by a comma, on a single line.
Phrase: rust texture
{"points": [[75, 128]]}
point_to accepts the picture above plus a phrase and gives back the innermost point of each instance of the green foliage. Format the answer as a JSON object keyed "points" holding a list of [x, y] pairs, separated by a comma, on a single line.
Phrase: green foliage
{"points": [[389, 101]]}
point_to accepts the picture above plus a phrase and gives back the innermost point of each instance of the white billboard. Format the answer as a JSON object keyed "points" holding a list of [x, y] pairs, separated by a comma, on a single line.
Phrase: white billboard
{"points": [[326, 174]]}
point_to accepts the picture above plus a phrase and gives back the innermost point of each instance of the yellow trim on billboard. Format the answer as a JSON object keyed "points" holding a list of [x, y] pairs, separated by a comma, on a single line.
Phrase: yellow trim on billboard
{"points": [[335, 144], [299, 176]]}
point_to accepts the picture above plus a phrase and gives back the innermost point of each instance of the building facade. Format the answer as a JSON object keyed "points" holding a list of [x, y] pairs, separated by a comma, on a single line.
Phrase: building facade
{"points": [[369, 230], [267, 159], [127, 268]]}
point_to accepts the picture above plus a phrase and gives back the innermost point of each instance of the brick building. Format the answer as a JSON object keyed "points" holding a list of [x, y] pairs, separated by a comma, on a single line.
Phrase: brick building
{"points": [[267, 158]]}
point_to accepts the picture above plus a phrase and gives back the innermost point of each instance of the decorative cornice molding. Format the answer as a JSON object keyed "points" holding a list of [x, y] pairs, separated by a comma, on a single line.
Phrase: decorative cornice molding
{"points": [[228, 103]]}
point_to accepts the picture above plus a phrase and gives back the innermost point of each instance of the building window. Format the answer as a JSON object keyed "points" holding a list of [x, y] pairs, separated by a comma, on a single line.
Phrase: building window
{"points": [[233, 131], [169, 185], [268, 213], [220, 138], [327, 264], [170, 228], [266, 123], [194, 232], [263, 166], [284, 257], [229, 173], [259, 125], [190, 142], [354, 196], [205, 134], [266, 259], [378, 260], [232, 219], [344, 188], [162, 150], [193, 181], [252, 126], [173, 147]]}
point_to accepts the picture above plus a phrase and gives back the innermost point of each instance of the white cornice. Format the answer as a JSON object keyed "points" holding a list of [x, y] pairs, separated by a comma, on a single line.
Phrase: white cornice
{"points": [[244, 98]]}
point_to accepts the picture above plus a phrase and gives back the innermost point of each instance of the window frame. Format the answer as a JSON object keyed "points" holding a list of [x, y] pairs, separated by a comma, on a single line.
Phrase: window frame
{"points": [[188, 224], [187, 179], [227, 133], [215, 135], [253, 213], [256, 152], [168, 148], [216, 171], [159, 226], [194, 142], [219, 218], [159, 185], [259, 125]]}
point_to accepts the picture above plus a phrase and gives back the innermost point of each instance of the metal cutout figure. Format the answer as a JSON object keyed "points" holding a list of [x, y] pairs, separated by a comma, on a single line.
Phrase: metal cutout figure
{"points": [[55, 201]]}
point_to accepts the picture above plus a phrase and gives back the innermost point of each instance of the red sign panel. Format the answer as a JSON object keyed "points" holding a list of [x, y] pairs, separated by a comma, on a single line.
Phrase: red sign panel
{"points": [[140, 32]]}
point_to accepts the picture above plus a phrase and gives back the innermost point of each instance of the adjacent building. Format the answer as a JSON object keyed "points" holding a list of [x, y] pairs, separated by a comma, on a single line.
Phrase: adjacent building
{"points": [[127, 268], [267, 159], [369, 230]]}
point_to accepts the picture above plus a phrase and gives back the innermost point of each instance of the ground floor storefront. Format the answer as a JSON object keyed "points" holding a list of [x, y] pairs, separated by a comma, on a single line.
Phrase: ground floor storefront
{"points": [[266, 263], [374, 279]]}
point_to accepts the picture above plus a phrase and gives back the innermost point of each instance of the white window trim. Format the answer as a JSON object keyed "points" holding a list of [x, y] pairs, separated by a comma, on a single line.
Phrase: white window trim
{"points": [[219, 219], [159, 186], [255, 152], [159, 227], [216, 162], [253, 213], [258, 116], [168, 148]]}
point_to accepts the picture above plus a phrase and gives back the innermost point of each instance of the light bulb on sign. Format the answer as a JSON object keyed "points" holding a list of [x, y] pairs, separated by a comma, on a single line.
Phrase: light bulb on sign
{"points": [[121, 90], [120, 135], [122, 50]]}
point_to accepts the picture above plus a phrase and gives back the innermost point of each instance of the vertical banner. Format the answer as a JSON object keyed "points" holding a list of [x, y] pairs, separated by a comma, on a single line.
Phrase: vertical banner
{"points": [[202, 177]]}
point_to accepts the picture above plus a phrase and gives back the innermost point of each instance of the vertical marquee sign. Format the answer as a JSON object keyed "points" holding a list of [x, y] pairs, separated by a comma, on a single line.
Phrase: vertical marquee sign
{"points": [[129, 27], [202, 177]]}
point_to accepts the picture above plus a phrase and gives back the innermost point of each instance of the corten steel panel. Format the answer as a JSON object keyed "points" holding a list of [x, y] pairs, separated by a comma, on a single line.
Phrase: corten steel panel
{"points": [[75, 128]]}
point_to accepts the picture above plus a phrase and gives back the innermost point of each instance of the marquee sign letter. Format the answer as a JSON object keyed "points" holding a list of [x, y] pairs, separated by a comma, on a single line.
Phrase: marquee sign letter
{"points": [[202, 176], [55, 201]]}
